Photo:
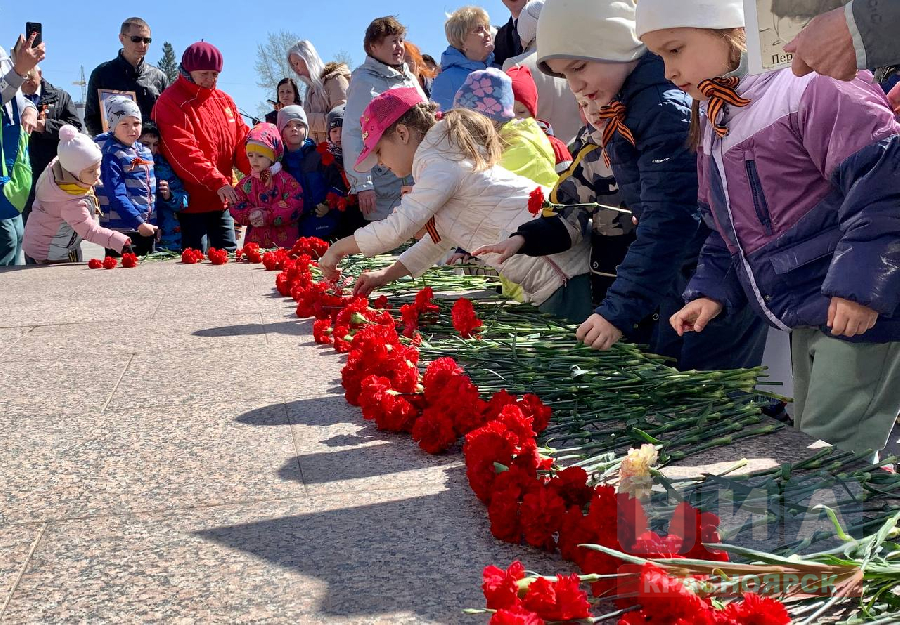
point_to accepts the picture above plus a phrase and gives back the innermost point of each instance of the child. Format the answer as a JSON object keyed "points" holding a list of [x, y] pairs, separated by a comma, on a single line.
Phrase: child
{"points": [[590, 179], [351, 218], [799, 178], [304, 160], [171, 198], [646, 121], [526, 106], [269, 200], [526, 149], [129, 185], [64, 204], [462, 198]]}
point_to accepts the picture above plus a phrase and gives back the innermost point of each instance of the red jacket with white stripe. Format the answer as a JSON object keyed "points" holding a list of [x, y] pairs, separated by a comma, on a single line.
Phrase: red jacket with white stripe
{"points": [[203, 139]]}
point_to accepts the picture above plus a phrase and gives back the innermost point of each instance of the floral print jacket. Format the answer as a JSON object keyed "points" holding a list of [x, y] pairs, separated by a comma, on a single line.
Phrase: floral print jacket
{"points": [[270, 208]]}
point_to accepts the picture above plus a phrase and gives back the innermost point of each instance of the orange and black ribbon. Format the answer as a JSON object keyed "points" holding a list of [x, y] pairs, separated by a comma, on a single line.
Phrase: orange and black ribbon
{"points": [[431, 229], [721, 91], [614, 114]]}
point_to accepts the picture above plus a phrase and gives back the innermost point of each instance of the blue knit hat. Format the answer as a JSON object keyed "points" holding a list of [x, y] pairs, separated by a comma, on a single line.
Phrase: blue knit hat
{"points": [[489, 92]]}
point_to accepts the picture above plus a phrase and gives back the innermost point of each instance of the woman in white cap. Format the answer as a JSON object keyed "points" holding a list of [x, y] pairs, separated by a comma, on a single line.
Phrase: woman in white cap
{"points": [[593, 45]]}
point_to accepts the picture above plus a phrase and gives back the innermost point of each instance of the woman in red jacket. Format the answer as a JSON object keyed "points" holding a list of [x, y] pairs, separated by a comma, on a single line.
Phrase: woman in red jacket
{"points": [[203, 139]]}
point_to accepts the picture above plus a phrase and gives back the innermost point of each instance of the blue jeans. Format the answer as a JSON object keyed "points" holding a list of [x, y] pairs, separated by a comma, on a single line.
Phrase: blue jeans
{"points": [[11, 232], [200, 231]]}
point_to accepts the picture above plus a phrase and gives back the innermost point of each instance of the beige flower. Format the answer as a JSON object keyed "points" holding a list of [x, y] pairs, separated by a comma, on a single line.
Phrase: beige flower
{"points": [[634, 472]]}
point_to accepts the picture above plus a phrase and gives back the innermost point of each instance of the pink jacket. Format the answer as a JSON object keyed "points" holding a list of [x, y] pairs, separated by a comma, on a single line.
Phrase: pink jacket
{"points": [[280, 203], [59, 221]]}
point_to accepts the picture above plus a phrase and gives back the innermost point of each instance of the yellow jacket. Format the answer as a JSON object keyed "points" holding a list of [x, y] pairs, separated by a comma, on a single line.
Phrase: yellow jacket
{"points": [[527, 152]]}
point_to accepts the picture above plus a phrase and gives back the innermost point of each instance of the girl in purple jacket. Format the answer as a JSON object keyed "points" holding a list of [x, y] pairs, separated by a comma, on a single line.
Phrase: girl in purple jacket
{"points": [[799, 179]]}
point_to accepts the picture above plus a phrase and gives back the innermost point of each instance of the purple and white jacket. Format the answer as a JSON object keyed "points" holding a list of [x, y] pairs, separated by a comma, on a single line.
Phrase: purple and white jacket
{"points": [[803, 196]]}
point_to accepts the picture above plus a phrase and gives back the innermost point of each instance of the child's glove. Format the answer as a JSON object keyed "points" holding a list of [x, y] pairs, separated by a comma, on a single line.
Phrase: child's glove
{"points": [[322, 210], [257, 218]]}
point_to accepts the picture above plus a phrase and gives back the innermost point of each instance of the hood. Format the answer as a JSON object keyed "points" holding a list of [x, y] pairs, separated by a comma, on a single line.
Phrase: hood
{"points": [[332, 70], [588, 30], [453, 57], [374, 66], [48, 191], [528, 130]]}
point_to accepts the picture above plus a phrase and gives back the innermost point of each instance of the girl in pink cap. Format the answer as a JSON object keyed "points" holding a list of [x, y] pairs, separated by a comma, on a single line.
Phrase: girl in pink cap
{"points": [[269, 200], [462, 198]]}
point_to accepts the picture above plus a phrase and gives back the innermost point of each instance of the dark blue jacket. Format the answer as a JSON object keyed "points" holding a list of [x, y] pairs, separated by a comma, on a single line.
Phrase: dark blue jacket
{"points": [[317, 180], [657, 180], [167, 210]]}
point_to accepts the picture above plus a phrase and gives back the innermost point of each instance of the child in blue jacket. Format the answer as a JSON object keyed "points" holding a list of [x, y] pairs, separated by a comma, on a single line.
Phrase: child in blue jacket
{"points": [[315, 168], [128, 190], [171, 198]]}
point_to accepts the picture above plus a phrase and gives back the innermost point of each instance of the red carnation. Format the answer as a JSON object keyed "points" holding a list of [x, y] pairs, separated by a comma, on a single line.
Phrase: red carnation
{"points": [[191, 256], [536, 201], [437, 375], [542, 515], [465, 321], [658, 593], [110, 262], [129, 260], [217, 257], [562, 600], [504, 514], [239, 254], [515, 616], [322, 331], [571, 485], [434, 432], [500, 587], [573, 531], [325, 153], [755, 610], [380, 302], [696, 528], [533, 407], [95, 263]]}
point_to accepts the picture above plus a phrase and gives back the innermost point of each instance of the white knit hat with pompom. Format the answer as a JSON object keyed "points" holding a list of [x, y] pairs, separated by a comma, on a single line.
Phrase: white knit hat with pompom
{"points": [[76, 151]]}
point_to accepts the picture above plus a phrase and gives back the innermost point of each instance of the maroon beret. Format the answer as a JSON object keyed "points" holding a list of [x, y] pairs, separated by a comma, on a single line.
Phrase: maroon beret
{"points": [[202, 57]]}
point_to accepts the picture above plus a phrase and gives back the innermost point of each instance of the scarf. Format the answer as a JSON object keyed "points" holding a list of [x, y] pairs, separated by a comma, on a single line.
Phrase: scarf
{"points": [[614, 113], [68, 182]]}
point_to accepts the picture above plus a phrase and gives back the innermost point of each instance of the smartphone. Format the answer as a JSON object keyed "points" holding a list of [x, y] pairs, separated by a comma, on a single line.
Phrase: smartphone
{"points": [[34, 27]]}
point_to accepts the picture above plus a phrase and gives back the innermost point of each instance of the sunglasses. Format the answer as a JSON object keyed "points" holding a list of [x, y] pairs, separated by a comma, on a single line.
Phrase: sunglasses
{"points": [[137, 39]]}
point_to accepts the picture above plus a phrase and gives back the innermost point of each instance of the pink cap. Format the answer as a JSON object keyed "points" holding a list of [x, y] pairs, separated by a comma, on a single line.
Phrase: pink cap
{"points": [[380, 115]]}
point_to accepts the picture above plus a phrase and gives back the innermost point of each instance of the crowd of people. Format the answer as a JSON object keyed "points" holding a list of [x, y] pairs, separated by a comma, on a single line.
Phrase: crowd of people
{"points": [[691, 205]]}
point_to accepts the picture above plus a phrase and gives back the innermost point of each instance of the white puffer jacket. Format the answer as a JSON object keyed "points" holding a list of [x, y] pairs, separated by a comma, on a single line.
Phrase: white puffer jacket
{"points": [[470, 209]]}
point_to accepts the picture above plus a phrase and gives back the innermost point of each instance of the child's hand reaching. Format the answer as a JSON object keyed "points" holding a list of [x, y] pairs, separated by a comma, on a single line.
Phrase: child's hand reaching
{"points": [[695, 316], [162, 188], [504, 249], [322, 209], [846, 318], [598, 333], [370, 281]]}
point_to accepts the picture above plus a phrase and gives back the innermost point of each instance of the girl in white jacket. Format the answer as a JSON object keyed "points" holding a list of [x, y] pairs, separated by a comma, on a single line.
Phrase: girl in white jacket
{"points": [[462, 198]]}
